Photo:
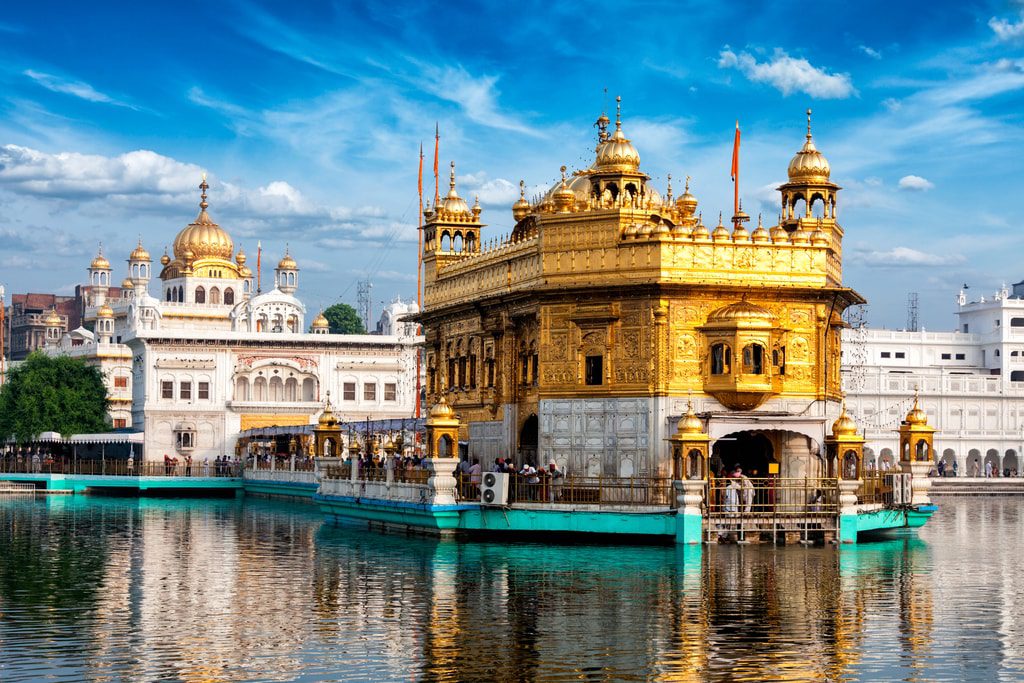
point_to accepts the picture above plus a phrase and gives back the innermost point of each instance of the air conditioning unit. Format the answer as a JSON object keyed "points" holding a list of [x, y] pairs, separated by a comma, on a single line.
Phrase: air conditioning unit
{"points": [[494, 488], [893, 482]]}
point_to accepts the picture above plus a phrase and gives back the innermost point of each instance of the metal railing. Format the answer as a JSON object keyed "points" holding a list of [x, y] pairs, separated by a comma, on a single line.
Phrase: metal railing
{"points": [[120, 468], [747, 508], [600, 491], [400, 475], [303, 464], [874, 489]]}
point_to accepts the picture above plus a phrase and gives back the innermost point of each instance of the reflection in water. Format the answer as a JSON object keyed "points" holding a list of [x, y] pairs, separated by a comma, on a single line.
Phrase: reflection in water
{"points": [[101, 589]]}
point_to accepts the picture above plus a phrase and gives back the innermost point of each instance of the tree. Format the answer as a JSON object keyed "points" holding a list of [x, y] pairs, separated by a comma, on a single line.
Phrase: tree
{"points": [[58, 394], [343, 319]]}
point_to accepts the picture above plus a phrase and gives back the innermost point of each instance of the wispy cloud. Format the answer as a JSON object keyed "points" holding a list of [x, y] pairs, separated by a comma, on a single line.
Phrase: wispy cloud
{"points": [[1007, 30], [79, 89], [870, 51], [915, 183], [476, 95], [904, 256], [789, 74]]}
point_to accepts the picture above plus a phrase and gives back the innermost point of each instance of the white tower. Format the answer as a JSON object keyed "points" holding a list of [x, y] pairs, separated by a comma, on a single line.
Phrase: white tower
{"points": [[54, 327], [99, 278], [104, 324], [139, 264]]}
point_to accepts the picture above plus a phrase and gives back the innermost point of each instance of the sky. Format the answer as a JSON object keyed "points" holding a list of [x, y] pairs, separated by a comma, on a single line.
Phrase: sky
{"points": [[308, 118]]}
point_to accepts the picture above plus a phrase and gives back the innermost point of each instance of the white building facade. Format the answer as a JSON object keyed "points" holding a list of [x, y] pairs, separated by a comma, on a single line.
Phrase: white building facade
{"points": [[971, 384], [213, 355]]}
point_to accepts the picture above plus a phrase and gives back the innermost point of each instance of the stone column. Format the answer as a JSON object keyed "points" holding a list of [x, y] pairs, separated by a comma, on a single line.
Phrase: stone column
{"points": [[920, 484], [848, 509], [689, 518], [442, 482]]}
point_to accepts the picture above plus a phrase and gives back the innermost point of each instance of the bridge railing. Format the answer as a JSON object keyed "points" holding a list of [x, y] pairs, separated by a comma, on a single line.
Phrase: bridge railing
{"points": [[119, 468]]}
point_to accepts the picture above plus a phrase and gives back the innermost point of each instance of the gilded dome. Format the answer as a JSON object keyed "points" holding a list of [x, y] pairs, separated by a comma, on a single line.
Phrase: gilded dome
{"points": [[100, 262], [800, 236], [165, 259], [779, 234], [105, 311], [203, 237], [617, 152], [139, 253], [760, 234], [916, 416], [720, 233], [701, 231], [521, 209], [809, 163], [740, 312], [453, 203], [287, 262], [740, 234], [819, 237], [579, 184], [52, 319], [844, 425], [240, 257], [320, 322], [441, 410], [127, 284], [687, 203], [690, 423]]}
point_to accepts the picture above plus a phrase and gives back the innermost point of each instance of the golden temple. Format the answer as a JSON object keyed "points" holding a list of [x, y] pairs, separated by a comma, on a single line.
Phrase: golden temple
{"points": [[578, 338]]}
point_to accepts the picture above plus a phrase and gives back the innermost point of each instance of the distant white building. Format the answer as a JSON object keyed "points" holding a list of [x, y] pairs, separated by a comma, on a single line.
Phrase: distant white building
{"points": [[971, 383], [392, 320], [213, 355]]}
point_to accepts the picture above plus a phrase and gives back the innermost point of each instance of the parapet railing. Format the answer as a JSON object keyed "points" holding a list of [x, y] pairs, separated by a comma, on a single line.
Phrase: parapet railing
{"points": [[572, 490], [399, 475], [771, 497], [303, 464], [120, 468]]}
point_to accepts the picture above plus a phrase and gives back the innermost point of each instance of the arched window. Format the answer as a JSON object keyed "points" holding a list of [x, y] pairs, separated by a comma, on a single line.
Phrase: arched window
{"points": [[446, 241], [214, 295], [753, 359], [1016, 322], [308, 390], [181, 295], [259, 389], [799, 208], [168, 295], [229, 296], [241, 389], [291, 389], [200, 295], [457, 243], [276, 389], [721, 359]]}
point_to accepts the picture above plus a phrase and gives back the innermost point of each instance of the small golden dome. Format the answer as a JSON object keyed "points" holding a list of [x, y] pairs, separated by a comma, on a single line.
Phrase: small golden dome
{"points": [[632, 231], [741, 311], [760, 234], [564, 197], [720, 233], [453, 203], [139, 253], [320, 322], [800, 236], [202, 237], [740, 234], [105, 311], [617, 152], [244, 271], [100, 262], [127, 284], [661, 230], [441, 410], [287, 262], [916, 416], [521, 209], [53, 319], [327, 418], [844, 425], [809, 164], [165, 259], [779, 234], [701, 231], [240, 258], [690, 423], [687, 203], [819, 238]]}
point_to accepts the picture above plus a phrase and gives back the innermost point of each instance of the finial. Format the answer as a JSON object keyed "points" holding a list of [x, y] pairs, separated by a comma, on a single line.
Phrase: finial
{"points": [[618, 112], [562, 169], [100, 252], [522, 189], [759, 220], [808, 123], [452, 181], [204, 186], [719, 218], [668, 191]]}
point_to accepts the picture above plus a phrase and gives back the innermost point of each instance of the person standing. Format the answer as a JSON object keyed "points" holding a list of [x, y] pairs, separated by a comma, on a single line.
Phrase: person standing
{"points": [[748, 493], [732, 496]]}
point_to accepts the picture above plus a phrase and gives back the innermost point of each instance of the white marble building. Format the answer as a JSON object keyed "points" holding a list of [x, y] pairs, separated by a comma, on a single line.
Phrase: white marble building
{"points": [[971, 383], [213, 354]]}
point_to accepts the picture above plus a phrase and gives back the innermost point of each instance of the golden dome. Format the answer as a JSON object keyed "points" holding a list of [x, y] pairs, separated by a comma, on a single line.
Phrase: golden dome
{"points": [[287, 262], [800, 236], [203, 237], [819, 237], [105, 311], [809, 163], [244, 271], [687, 203], [916, 416], [690, 423], [165, 259], [741, 312], [617, 152], [320, 322], [740, 234], [701, 231], [441, 410], [240, 257], [521, 209], [139, 253], [100, 262], [760, 234], [578, 183], [844, 425], [779, 234], [327, 418], [564, 197], [453, 203], [720, 233], [52, 319], [127, 284]]}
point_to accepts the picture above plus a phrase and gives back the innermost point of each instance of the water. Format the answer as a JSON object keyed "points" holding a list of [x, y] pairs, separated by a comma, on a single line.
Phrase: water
{"points": [[108, 589]]}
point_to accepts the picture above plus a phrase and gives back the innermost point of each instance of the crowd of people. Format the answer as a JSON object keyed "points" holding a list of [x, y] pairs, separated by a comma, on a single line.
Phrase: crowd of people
{"points": [[528, 483]]}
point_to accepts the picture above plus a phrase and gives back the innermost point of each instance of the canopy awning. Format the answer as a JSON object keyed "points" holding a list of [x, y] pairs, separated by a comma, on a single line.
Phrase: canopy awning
{"points": [[112, 437]]}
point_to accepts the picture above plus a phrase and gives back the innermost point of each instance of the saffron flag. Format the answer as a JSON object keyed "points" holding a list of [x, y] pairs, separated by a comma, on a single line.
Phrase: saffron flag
{"points": [[736, 154]]}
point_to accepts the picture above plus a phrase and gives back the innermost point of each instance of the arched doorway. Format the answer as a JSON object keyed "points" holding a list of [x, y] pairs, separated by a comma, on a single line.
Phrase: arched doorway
{"points": [[528, 441], [751, 451]]}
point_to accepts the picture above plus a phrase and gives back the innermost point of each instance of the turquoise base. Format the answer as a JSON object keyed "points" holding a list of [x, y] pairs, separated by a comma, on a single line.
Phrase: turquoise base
{"points": [[880, 521], [689, 529], [81, 482], [280, 488]]}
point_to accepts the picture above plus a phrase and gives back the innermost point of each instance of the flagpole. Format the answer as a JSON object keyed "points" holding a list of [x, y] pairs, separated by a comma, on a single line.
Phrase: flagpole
{"points": [[437, 148], [419, 278], [736, 170], [259, 266]]}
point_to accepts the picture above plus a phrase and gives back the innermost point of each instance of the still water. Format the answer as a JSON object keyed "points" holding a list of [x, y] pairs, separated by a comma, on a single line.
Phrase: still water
{"points": [[105, 589]]}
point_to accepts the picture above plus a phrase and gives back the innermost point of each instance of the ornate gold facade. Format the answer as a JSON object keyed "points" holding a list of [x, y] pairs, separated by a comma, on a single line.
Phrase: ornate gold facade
{"points": [[605, 289]]}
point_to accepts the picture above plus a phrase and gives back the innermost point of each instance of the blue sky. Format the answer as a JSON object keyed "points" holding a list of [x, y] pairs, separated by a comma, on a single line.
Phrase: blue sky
{"points": [[308, 118]]}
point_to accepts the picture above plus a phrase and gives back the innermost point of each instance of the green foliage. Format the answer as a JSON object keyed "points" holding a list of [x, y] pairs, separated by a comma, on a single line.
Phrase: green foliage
{"points": [[344, 320], [58, 394]]}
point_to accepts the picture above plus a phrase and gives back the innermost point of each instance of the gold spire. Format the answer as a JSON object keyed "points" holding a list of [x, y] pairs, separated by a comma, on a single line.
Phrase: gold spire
{"points": [[521, 209], [618, 112], [139, 253], [809, 137], [809, 164], [668, 190], [453, 203], [204, 186], [100, 262], [565, 197]]}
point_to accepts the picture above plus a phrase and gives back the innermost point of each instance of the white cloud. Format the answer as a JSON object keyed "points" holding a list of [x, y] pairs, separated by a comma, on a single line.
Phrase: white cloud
{"points": [[476, 95], [904, 256], [77, 89], [1006, 30], [870, 52], [789, 74], [915, 183]]}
